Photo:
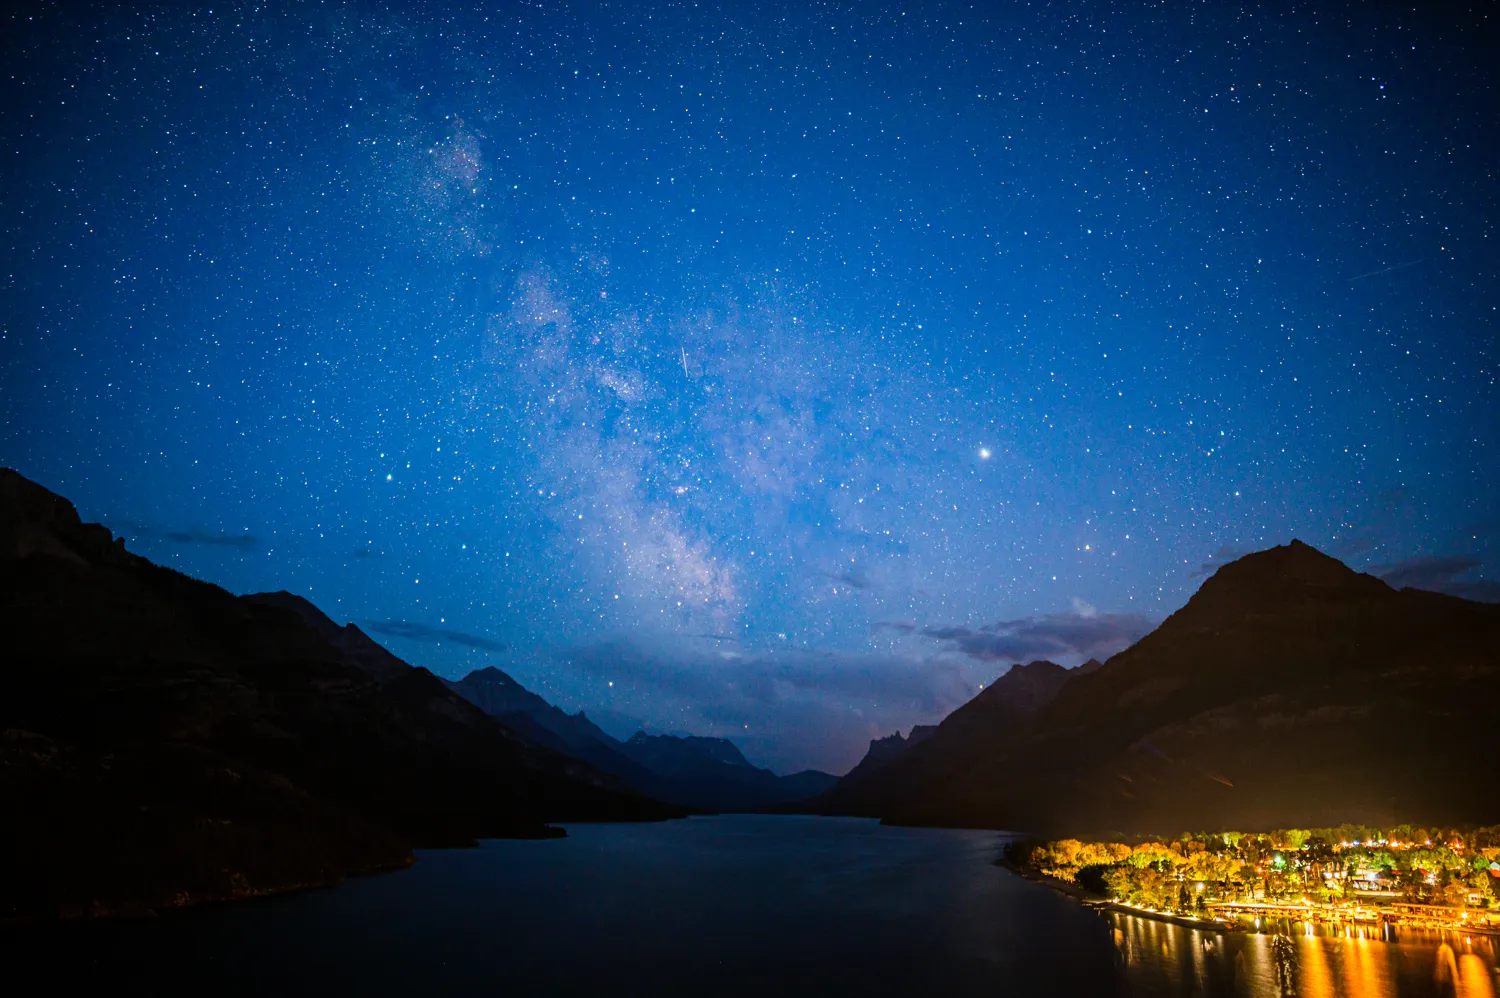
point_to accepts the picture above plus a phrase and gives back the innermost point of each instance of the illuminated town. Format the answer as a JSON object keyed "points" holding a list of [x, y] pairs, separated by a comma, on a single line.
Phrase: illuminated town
{"points": [[1445, 879]]}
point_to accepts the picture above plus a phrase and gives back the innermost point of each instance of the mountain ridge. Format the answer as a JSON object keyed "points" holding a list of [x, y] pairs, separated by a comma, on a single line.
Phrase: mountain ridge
{"points": [[1289, 690], [1003, 706], [163, 741], [703, 773]]}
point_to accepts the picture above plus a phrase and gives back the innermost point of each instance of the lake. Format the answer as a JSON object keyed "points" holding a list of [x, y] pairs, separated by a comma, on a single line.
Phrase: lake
{"points": [[737, 905]]}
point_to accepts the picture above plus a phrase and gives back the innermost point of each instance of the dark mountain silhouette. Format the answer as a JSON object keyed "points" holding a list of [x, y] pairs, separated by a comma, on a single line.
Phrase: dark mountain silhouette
{"points": [[708, 774], [802, 785], [356, 647], [166, 742], [500, 696], [712, 773], [884, 751], [943, 753], [1290, 690]]}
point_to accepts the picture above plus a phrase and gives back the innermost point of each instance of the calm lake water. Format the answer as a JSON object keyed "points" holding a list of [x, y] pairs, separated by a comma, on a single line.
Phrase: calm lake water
{"points": [[716, 906]]}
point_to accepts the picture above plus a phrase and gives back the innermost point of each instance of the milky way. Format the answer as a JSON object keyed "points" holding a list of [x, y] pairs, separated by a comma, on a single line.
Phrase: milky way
{"points": [[779, 372]]}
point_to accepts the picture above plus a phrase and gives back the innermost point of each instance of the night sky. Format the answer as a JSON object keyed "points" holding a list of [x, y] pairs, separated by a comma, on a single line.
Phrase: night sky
{"points": [[776, 371]]}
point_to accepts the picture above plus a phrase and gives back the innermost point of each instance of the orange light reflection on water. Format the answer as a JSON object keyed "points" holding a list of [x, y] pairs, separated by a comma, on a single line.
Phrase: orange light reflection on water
{"points": [[1316, 978], [1316, 961], [1367, 969]]}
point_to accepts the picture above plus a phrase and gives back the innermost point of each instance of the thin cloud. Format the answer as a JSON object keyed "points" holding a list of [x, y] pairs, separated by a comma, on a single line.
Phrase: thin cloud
{"points": [[1441, 575], [947, 633], [412, 631], [1425, 572], [1083, 634], [1219, 559], [243, 542], [856, 578]]}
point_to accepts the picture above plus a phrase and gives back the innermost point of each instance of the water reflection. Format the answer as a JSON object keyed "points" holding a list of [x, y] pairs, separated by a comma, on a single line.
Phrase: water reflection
{"points": [[734, 906], [1304, 959]]}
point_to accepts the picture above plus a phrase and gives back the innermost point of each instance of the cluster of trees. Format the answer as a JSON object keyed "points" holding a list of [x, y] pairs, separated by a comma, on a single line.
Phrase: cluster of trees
{"points": [[1443, 866]]}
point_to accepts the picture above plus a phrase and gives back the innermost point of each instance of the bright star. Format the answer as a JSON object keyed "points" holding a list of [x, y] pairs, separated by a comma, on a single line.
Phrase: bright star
{"points": [[984, 453]]}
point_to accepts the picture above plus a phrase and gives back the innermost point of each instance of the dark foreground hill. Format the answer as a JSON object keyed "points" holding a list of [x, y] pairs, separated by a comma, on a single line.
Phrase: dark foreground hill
{"points": [[706, 774], [1289, 691], [164, 742]]}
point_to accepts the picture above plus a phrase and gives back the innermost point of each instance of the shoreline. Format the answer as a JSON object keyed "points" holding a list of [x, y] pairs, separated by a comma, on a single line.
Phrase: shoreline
{"points": [[1090, 900], [1219, 926]]}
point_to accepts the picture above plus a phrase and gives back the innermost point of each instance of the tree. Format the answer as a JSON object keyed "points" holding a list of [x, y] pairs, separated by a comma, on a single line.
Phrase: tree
{"points": [[1210, 867], [1481, 882], [1120, 882], [1154, 854]]}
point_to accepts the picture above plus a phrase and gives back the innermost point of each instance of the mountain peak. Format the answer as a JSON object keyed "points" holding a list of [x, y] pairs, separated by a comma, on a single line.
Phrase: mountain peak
{"points": [[1294, 572], [490, 675], [1297, 560], [36, 520], [1034, 678], [300, 605], [357, 646], [25, 501], [1037, 666]]}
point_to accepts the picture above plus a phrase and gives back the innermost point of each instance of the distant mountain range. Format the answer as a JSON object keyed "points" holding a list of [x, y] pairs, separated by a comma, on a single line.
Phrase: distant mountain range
{"points": [[708, 774], [1289, 691], [162, 741]]}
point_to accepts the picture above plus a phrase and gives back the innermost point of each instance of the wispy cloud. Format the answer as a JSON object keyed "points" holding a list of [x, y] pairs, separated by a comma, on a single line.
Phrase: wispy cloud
{"points": [[1223, 556], [412, 631], [1082, 634], [131, 528], [1440, 574], [947, 633], [855, 576]]}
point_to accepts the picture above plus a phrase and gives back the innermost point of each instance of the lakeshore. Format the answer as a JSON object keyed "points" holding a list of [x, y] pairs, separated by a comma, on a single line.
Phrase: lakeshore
{"points": [[1101, 903], [1441, 880]]}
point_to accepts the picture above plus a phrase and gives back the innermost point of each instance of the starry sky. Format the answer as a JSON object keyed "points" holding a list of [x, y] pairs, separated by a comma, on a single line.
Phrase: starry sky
{"points": [[780, 371]]}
